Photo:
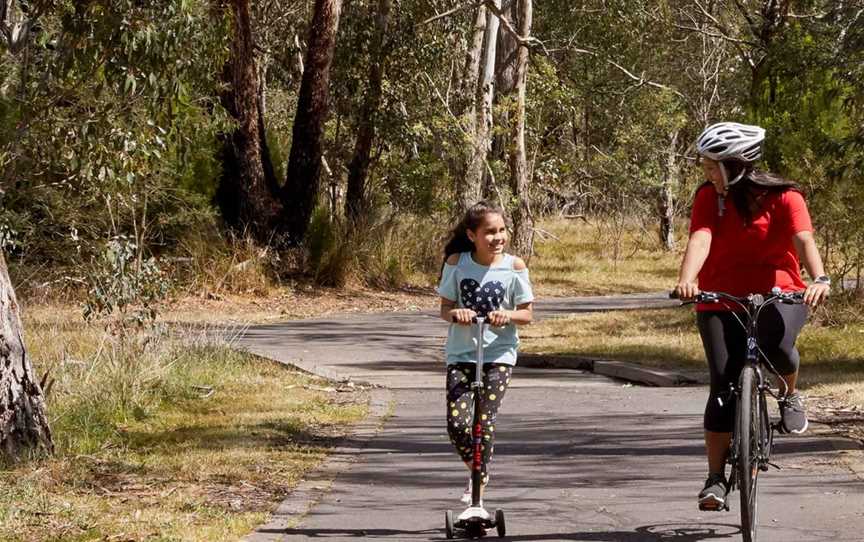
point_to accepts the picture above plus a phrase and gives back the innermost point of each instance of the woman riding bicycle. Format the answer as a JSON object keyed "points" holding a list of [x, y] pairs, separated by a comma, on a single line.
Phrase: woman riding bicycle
{"points": [[748, 230]]}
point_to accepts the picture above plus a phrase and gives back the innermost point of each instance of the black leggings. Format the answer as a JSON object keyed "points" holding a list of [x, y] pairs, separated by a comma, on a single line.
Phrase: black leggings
{"points": [[460, 407], [724, 341]]}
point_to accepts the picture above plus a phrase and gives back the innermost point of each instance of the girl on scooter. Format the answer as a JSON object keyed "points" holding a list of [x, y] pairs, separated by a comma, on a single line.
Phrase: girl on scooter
{"points": [[479, 279]]}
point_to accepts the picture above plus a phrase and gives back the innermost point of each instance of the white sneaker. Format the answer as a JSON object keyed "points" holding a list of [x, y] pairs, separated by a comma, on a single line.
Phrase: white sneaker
{"points": [[466, 496]]}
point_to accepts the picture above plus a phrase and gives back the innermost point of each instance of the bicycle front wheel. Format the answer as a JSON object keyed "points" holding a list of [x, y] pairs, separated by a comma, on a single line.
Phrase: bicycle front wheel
{"points": [[747, 426]]}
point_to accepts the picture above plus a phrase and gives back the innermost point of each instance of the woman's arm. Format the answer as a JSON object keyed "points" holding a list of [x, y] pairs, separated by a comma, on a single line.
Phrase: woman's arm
{"points": [[805, 245], [698, 247]]}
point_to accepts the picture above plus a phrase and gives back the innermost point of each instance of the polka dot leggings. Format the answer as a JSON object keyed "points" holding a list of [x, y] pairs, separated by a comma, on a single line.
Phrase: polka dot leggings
{"points": [[496, 378]]}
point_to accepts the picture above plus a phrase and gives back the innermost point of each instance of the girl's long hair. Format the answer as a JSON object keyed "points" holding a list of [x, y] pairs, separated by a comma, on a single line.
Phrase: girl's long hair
{"points": [[741, 192], [473, 218]]}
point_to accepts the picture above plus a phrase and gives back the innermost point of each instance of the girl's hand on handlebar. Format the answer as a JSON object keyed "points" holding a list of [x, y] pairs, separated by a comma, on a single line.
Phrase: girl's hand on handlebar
{"points": [[686, 290], [499, 318], [816, 293], [462, 316]]}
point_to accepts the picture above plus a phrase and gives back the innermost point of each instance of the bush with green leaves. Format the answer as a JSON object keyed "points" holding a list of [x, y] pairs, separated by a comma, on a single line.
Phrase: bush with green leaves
{"points": [[124, 287]]}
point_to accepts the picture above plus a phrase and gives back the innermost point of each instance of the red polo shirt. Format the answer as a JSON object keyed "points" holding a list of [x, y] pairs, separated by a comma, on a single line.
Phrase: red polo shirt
{"points": [[753, 258]]}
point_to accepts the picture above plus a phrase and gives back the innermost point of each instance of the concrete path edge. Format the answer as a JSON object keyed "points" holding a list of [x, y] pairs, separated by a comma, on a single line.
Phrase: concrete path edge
{"points": [[319, 480], [621, 370]]}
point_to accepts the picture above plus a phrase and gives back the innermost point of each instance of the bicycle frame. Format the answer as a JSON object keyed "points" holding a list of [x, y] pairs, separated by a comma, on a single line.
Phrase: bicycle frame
{"points": [[752, 306]]}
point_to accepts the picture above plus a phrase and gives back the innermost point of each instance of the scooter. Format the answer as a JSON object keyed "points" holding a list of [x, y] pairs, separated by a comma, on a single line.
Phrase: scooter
{"points": [[475, 520]]}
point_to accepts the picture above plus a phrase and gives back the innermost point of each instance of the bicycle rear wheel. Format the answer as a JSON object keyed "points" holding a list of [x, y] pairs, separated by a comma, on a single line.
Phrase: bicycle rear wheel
{"points": [[748, 427]]}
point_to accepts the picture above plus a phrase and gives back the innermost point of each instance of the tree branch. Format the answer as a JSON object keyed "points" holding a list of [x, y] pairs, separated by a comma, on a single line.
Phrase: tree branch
{"points": [[640, 79], [457, 9], [524, 41]]}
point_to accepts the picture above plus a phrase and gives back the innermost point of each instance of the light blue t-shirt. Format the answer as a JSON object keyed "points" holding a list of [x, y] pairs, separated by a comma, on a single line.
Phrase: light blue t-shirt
{"points": [[484, 289]]}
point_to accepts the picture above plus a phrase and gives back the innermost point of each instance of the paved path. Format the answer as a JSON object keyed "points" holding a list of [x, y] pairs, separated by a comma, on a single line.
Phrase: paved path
{"points": [[578, 457]]}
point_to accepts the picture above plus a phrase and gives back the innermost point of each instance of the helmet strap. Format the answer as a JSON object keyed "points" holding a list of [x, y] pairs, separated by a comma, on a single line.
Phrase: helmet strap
{"points": [[736, 179]]}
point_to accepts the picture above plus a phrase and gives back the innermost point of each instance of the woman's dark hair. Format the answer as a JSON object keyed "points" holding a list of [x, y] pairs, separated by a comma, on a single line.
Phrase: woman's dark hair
{"points": [[473, 218], [742, 192]]}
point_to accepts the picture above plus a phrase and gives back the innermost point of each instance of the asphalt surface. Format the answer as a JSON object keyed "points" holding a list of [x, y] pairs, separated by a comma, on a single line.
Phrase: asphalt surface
{"points": [[578, 457]]}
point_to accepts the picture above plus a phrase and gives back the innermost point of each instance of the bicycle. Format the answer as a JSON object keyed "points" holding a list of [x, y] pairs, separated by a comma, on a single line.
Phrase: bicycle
{"points": [[753, 432]]}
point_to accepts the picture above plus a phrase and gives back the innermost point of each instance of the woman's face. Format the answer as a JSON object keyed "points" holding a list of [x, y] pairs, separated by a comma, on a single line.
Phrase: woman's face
{"points": [[490, 237], [714, 174]]}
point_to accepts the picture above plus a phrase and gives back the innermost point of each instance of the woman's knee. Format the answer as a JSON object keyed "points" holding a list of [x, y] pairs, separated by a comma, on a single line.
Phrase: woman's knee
{"points": [[719, 413]]}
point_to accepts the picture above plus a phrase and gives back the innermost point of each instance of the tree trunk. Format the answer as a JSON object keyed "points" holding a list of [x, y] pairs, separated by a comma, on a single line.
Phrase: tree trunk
{"points": [[245, 194], [667, 194], [474, 171], [506, 83], [300, 192], [467, 97], [523, 221], [24, 430], [466, 106], [356, 201]]}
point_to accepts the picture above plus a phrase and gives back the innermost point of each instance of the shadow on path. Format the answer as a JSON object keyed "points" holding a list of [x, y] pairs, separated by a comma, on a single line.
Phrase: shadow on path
{"points": [[670, 532]]}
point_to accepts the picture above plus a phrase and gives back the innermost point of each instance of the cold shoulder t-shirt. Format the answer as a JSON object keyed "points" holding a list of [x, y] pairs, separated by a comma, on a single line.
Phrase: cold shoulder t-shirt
{"points": [[484, 289]]}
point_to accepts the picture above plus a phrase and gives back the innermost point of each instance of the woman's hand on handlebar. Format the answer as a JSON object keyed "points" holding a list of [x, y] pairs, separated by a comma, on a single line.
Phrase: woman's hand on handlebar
{"points": [[816, 293], [686, 290], [499, 318], [462, 316]]}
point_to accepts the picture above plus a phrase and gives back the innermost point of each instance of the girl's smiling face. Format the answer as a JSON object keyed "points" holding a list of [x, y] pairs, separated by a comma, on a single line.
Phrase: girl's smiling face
{"points": [[714, 174], [490, 237]]}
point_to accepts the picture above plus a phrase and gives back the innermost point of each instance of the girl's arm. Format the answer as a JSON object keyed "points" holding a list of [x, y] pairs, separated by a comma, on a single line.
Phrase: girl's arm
{"points": [[698, 247], [523, 315], [805, 245]]}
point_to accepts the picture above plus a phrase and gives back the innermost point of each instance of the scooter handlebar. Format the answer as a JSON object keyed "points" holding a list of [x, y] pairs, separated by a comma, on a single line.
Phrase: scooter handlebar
{"points": [[474, 319]]}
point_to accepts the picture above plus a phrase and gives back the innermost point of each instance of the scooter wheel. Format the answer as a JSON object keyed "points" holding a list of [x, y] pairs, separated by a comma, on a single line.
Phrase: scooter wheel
{"points": [[448, 523], [475, 530], [499, 523]]}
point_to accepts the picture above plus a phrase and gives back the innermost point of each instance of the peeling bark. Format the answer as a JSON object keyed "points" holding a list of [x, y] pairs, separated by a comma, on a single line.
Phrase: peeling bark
{"points": [[24, 430], [471, 189], [667, 194]]}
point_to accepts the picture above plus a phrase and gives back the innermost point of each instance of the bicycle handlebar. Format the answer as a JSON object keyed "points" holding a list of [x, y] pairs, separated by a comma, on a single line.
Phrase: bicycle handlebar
{"points": [[776, 296]]}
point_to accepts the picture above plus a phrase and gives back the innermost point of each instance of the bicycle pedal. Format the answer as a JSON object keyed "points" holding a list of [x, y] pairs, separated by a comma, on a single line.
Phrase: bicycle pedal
{"points": [[775, 465]]}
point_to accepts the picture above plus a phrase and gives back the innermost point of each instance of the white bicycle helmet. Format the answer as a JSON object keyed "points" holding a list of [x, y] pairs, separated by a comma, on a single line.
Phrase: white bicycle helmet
{"points": [[731, 141]]}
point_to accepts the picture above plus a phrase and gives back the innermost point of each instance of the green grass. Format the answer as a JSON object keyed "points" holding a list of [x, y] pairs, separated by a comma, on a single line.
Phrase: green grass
{"points": [[581, 260], [159, 439]]}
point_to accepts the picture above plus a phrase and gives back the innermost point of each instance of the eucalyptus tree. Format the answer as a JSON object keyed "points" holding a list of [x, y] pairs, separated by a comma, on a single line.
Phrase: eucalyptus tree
{"points": [[302, 185], [24, 427], [356, 198], [248, 187], [523, 220], [113, 105]]}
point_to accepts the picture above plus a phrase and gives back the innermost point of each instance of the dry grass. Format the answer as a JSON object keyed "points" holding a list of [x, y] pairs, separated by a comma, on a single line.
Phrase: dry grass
{"points": [[653, 337], [159, 440], [580, 260], [832, 358]]}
